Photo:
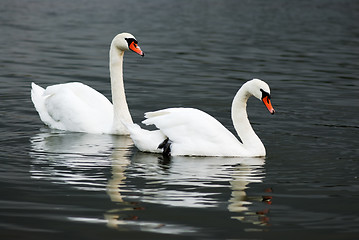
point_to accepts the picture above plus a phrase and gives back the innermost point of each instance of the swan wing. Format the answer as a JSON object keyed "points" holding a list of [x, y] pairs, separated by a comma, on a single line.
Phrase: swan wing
{"points": [[145, 140], [73, 107], [194, 132]]}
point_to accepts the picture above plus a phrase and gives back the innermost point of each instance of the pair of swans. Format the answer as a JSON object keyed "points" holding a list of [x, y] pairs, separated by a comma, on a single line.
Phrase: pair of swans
{"points": [[181, 131]]}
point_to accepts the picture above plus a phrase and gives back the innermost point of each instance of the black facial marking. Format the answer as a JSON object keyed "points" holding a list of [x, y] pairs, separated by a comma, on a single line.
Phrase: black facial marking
{"points": [[265, 94], [130, 40]]}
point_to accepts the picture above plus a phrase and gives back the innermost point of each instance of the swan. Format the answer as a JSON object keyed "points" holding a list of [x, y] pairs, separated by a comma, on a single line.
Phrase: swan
{"points": [[77, 107], [192, 132]]}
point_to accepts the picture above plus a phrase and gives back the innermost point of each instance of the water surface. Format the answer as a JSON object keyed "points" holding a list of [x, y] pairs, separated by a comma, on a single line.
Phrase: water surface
{"points": [[198, 53]]}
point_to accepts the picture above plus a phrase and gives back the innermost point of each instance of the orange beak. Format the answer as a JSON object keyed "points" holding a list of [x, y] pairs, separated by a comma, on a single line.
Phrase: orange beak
{"points": [[134, 47], [268, 104]]}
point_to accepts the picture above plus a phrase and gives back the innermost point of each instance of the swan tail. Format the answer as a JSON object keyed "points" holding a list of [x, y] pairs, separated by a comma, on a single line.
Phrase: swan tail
{"points": [[156, 113], [38, 98], [145, 140], [158, 117], [36, 94]]}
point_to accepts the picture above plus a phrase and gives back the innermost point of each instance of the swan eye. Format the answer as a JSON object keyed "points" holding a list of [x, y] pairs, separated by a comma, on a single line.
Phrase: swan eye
{"points": [[265, 94], [131, 40]]}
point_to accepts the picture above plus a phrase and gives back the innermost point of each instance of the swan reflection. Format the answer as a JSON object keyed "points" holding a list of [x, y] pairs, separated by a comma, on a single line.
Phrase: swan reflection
{"points": [[200, 182], [71, 158], [83, 161]]}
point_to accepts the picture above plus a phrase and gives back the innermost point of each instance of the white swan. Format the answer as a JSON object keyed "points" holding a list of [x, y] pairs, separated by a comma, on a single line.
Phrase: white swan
{"points": [[191, 132], [79, 108]]}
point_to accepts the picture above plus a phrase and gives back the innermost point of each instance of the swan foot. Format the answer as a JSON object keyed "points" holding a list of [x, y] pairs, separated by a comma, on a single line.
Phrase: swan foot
{"points": [[166, 146]]}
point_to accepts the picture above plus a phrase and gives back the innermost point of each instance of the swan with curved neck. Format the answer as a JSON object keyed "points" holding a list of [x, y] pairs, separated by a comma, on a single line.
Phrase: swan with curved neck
{"points": [[77, 107], [192, 132]]}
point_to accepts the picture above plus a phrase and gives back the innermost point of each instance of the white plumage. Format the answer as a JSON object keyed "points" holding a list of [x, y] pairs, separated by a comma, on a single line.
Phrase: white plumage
{"points": [[77, 107], [73, 107], [192, 132]]}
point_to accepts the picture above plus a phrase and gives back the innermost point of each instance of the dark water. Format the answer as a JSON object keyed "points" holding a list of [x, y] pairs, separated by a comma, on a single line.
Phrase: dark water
{"points": [[58, 185]]}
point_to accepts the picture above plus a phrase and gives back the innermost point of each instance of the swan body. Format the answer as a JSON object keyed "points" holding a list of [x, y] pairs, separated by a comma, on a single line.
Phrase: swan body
{"points": [[77, 107], [192, 132]]}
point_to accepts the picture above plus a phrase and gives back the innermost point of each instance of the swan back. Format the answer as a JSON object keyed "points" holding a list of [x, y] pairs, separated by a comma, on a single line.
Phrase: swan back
{"points": [[194, 132], [74, 107]]}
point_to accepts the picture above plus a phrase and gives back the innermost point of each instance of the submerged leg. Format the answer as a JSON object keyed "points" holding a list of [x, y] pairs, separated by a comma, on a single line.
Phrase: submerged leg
{"points": [[166, 146]]}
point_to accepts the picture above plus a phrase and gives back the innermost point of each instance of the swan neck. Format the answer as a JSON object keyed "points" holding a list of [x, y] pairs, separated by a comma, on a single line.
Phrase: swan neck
{"points": [[249, 138], [120, 107]]}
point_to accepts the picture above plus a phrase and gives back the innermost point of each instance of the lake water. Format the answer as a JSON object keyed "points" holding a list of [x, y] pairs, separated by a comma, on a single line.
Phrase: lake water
{"points": [[61, 185]]}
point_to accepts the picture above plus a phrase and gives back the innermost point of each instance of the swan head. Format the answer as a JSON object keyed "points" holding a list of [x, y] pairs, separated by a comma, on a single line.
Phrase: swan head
{"points": [[260, 90], [125, 42]]}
